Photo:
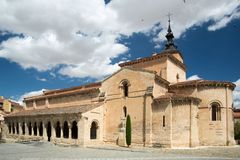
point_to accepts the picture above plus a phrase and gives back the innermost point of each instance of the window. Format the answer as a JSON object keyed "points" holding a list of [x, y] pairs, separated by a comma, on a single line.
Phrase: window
{"points": [[93, 131], [163, 121], [125, 111], [216, 112], [125, 89]]}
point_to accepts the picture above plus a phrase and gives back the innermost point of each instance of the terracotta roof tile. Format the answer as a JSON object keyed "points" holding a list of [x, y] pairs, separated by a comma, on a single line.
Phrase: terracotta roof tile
{"points": [[202, 83], [156, 56], [173, 96], [56, 110]]}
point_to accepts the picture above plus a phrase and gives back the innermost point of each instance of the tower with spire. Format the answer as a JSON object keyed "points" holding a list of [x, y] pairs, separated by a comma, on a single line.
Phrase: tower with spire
{"points": [[170, 44]]}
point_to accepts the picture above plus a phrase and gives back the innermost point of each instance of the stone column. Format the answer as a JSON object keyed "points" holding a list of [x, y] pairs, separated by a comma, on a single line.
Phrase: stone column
{"points": [[61, 126], [53, 130], [26, 129], [20, 128], [44, 131], [32, 126], [69, 131]]}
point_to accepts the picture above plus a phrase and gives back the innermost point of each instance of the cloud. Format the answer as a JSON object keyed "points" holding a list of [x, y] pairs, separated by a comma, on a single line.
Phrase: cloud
{"points": [[30, 94], [236, 94], [41, 79], [83, 40], [194, 77]]}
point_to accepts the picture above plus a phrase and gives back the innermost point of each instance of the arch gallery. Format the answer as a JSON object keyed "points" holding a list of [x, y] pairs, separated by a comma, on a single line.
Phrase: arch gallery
{"points": [[166, 110]]}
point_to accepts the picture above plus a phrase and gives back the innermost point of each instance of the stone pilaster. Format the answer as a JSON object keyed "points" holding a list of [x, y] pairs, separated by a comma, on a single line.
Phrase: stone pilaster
{"points": [[81, 130]]}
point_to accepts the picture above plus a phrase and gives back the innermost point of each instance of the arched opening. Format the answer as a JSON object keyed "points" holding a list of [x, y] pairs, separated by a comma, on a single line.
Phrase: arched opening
{"points": [[9, 129], [17, 128], [49, 131], [125, 111], [65, 130], [216, 112], [125, 89], [23, 128], [58, 130], [93, 130], [13, 128], [35, 129], [41, 129], [30, 128], [74, 130]]}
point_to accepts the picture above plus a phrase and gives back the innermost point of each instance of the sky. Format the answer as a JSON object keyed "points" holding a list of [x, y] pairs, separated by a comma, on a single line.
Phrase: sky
{"points": [[64, 43]]}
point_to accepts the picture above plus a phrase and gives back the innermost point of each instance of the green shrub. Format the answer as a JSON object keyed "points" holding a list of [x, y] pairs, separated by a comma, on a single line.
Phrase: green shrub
{"points": [[128, 131], [237, 130]]}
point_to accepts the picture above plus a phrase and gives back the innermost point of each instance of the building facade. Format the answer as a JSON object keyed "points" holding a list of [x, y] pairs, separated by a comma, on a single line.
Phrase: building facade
{"points": [[6, 107], [166, 110]]}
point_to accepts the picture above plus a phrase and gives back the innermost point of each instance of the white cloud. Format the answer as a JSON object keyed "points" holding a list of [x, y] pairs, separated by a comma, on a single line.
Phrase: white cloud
{"points": [[194, 77], [30, 94], [41, 79], [236, 94], [81, 36]]}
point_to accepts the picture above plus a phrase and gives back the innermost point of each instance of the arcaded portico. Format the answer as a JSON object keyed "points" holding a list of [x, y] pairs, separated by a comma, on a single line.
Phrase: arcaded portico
{"points": [[58, 125]]}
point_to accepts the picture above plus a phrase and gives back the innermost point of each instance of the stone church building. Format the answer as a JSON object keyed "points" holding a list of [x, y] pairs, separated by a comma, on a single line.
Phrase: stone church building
{"points": [[166, 110]]}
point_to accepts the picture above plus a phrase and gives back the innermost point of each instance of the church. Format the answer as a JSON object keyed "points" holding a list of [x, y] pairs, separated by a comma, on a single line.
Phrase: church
{"points": [[166, 110]]}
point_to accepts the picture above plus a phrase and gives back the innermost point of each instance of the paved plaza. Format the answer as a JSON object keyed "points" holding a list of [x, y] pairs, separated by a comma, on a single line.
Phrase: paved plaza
{"points": [[44, 151]]}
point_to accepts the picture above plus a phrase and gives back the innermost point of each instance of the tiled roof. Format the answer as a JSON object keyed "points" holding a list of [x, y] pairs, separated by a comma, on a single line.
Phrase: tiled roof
{"points": [[156, 56], [56, 110], [176, 97], [194, 83], [79, 89]]}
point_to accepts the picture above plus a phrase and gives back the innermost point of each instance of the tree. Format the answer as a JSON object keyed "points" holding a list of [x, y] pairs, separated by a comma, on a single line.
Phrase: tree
{"points": [[237, 130], [128, 131]]}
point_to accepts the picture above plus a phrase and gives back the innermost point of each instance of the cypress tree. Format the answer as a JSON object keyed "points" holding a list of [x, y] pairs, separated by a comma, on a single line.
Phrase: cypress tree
{"points": [[128, 131]]}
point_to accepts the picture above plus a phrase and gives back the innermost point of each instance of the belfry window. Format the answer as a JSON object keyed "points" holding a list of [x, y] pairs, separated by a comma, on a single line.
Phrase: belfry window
{"points": [[216, 112]]}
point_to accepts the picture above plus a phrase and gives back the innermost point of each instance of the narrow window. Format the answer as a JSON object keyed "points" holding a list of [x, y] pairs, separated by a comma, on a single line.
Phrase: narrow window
{"points": [[163, 121], [216, 112], [93, 131], [125, 111], [125, 89]]}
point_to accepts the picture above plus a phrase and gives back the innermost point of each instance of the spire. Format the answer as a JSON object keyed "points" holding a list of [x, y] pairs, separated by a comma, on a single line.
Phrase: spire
{"points": [[170, 44]]}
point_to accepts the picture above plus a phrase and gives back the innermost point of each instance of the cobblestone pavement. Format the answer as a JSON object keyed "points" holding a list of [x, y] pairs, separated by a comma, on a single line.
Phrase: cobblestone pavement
{"points": [[45, 151]]}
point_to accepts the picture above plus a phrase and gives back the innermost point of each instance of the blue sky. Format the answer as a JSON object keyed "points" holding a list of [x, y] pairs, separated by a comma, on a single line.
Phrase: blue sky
{"points": [[39, 50]]}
